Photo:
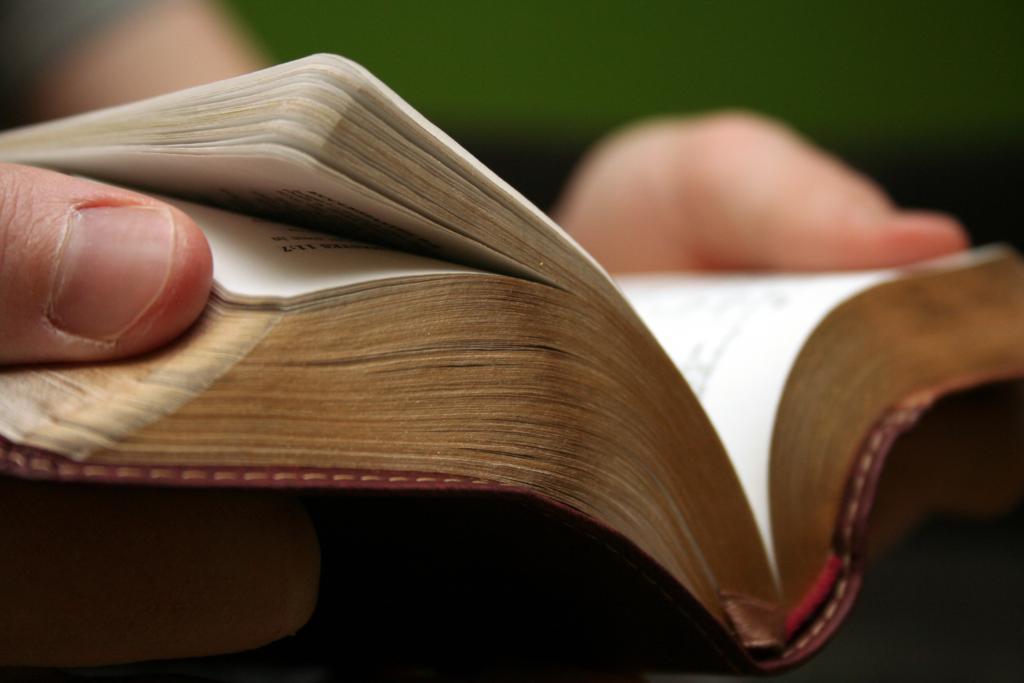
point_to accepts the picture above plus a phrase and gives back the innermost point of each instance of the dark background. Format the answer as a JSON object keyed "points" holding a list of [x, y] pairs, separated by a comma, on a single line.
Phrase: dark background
{"points": [[926, 97]]}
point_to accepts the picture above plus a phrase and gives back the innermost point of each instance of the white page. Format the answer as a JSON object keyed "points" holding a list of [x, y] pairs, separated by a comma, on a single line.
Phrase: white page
{"points": [[735, 339], [261, 176], [256, 259]]}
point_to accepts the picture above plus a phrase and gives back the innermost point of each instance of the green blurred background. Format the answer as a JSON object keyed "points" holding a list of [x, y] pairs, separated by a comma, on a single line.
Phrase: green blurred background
{"points": [[852, 75]]}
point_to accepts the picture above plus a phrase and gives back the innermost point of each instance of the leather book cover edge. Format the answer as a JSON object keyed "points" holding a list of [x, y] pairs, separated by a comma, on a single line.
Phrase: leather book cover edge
{"points": [[808, 627], [818, 616], [31, 463]]}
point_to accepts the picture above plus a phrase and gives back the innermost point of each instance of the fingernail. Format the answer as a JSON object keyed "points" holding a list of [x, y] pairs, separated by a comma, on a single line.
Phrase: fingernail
{"points": [[112, 267]]}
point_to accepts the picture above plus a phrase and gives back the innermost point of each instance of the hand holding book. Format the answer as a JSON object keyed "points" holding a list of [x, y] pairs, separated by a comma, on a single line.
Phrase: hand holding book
{"points": [[448, 368], [719, 193], [630, 224]]}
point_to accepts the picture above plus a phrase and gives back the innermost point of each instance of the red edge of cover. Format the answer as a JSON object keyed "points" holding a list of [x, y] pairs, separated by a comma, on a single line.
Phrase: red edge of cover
{"points": [[820, 590], [818, 615]]}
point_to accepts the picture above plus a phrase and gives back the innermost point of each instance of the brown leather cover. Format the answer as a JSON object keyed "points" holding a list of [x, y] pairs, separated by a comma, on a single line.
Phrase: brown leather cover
{"points": [[424, 568]]}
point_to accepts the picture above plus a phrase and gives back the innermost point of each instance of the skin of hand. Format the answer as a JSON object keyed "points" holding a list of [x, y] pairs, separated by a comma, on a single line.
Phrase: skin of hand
{"points": [[116, 575], [104, 575], [90, 272], [736, 191]]}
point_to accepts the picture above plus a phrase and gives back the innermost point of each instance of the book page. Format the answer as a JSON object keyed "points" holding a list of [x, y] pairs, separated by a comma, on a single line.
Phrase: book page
{"points": [[257, 260], [275, 182], [735, 339]]}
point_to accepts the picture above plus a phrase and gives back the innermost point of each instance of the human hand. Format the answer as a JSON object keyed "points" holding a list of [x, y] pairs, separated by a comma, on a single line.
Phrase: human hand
{"points": [[94, 574], [737, 191], [91, 272], [721, 192]]}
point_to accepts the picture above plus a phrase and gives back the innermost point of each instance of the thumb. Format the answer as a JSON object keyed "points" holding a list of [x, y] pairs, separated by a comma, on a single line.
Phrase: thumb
{"points": [[91, 272]]}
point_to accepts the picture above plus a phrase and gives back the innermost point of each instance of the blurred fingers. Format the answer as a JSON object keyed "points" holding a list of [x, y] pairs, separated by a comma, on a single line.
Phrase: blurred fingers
{"points": [[103, 575], [736, 191]]}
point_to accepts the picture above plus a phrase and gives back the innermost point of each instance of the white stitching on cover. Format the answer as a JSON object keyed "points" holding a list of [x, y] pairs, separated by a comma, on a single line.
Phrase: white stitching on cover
{"points": [[72, 470], [67, 470], [894, 422]]}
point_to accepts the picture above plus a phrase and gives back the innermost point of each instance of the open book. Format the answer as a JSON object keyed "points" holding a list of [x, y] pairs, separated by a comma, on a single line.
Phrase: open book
{"points": [[669, 471]]}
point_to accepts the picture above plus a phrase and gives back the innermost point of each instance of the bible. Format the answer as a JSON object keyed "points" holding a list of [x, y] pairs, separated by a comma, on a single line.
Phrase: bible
{"points": [[668, 471]]}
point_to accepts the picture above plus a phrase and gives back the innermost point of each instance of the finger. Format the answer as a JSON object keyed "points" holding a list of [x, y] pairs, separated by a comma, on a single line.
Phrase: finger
{"points": [[99, 575], [738, 191], [90, 272]]}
